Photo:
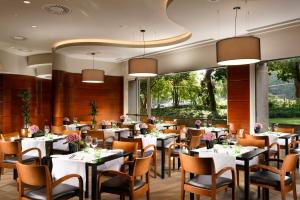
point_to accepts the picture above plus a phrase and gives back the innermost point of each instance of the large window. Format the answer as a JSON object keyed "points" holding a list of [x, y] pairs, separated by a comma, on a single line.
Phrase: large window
{"points": [[197, 94], [284, 91]]}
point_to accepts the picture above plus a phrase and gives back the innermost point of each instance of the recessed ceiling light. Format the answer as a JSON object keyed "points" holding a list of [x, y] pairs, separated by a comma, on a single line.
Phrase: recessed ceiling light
{"points": [[27, 2], [34, 26], [24, 50], [19, 37]]}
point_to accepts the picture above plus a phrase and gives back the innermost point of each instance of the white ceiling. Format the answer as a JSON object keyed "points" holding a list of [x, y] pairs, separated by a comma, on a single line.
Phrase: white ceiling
{"points": [[122, 20]]}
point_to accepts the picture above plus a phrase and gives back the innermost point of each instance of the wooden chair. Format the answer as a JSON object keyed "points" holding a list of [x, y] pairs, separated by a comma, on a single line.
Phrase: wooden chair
{"points": [[294, 147], [105, 142], [59, 130], [170, 122], [67, 132], [124, 184], [8, 136], [207, 181], [193, 132], [11, 153], [130, 147], [283, 179], [174, 150], [219, 125], [284, 130], [40, 178], [145, 151], [131, 127], [259, 142], [85, 122]]}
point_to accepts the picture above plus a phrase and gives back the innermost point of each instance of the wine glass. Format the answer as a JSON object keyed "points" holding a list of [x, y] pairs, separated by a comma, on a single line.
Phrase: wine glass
{"points": [[94, 143], [47, 130], [88, 140]]}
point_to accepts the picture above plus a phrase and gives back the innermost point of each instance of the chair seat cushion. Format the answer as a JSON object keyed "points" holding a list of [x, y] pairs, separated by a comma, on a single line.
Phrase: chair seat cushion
{"points": [[204, 181], [268, 178], [25, 159], [119, 184], [60, 191]]}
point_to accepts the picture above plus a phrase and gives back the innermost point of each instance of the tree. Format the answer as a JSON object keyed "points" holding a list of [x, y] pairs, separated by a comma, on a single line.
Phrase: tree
{"points": [[160, 89], [287, 70]]}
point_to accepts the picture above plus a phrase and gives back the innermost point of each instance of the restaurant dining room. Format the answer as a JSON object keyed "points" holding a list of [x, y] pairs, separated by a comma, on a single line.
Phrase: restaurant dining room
{"points": [[149, 99]]}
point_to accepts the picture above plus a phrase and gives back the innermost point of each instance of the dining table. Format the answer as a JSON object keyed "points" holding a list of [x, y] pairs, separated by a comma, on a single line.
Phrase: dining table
{"points": [[230, 156], [86, 161], [117, 133], [216, 131]]}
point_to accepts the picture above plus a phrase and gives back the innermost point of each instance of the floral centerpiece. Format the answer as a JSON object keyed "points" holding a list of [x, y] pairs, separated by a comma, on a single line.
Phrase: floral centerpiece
{"points": [[33, 129], [73, 139], [75, 120], [143, 128], [123, 118], [208, 137], [66, 121], [152, 120], [104, 124], [257, 127], [198, 123]]}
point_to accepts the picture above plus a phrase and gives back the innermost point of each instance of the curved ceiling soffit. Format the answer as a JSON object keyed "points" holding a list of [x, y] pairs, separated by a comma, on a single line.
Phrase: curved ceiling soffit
{"points": [[125, 43], [38, 60]]}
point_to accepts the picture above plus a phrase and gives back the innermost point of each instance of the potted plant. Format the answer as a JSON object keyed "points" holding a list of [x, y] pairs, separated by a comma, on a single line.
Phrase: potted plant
{"points": [[122, 118], [73, 140], [66, 121], [198, 123], [152, 120], [257, 127], [26, 96], [93, 112], [143, 128], [104, 124]]}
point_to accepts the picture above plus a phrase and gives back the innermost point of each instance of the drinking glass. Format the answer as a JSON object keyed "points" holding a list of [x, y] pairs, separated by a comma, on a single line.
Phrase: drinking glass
{"points": [[46, 129], [88, 140], [94, 143]]}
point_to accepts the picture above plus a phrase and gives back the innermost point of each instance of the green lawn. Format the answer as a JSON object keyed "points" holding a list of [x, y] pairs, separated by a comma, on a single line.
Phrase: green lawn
{"points": [[294, 121]]}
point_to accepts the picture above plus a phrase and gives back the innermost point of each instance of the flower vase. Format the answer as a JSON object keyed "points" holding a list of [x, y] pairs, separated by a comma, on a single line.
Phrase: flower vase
{"points": [[256, 130], [143, 131], [209, 144], [73, 147], [103, 126], [24, 132], [197, 126]]}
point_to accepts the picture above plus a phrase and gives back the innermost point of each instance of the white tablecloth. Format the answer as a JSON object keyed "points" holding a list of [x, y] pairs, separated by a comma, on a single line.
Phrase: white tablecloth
{"points": [[221, 131], [64, 165], [148, 140], [224, 156], [38, 142], [277, 135], [112, 132]]}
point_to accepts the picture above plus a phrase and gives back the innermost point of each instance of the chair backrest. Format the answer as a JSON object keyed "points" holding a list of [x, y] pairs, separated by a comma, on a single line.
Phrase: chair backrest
{"points": [[84, 122], [219, 125], [57, 129], [151, 127], [10, 148], [7, 136], [96, 134], [290, 162], [130, 147], [257, 141], [284, 130], [195, 142], [166, 131], [34, 175], [142, 166], [129, 126], [196, 165], [194, 132], [171, 122], [139, 141], [67, 132], [240, 133]]}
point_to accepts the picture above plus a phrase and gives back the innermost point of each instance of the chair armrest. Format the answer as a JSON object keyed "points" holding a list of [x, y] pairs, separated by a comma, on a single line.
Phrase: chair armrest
{"points": [[265, 167], [33, 149], [64, 178], [222, 171], [149, 146], [176, 144], [113, 173], [275, 144]]}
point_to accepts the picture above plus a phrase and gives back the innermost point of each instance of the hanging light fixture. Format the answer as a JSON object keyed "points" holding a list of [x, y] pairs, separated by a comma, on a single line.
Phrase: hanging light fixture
{"points": [[92, 75], [142, 67], [238, 50]]}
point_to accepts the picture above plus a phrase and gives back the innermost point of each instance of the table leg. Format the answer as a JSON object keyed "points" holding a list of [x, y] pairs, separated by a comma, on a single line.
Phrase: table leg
{"points": [[266, 190], [246, 184], [191, 194], [86, 181], [94, 182], [286, 146], [163, 155], [119, 136]]}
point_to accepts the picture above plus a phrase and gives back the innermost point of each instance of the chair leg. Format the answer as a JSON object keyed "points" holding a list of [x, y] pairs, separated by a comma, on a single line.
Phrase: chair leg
{"points": [[169, 166], [154, 163], [182, 195], [173, 163], [283, 194], [178, 163], [148, 194], [238, 177], [294, 192], [258, 192], [198, 197], [233, 192]]}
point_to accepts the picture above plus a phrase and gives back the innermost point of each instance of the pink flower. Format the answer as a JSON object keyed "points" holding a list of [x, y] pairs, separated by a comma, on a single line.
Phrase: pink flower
{"points": [[66, 119], [103, 122], [123, 117], [33, 129], [143, 125], [73, 137], [198, 122], [208, 136], [258, 125]]}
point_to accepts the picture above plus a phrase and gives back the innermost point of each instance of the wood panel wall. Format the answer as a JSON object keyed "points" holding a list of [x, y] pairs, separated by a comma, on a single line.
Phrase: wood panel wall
{"points": [[71, 97], [11, 105], [238, 78]]}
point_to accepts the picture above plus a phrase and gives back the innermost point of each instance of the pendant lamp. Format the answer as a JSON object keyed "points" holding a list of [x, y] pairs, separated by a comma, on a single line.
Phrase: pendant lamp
{"points": [[142, 67], [92, 75], [238, 50]]}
